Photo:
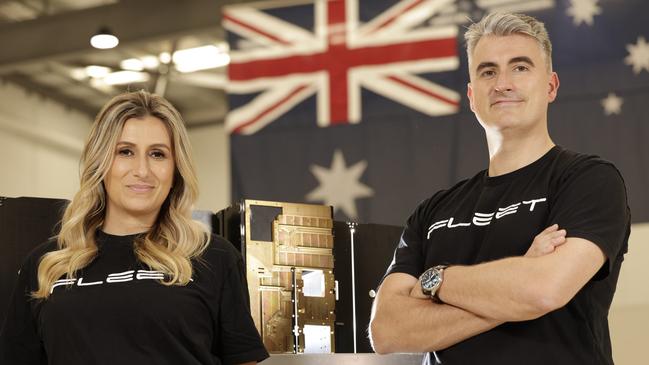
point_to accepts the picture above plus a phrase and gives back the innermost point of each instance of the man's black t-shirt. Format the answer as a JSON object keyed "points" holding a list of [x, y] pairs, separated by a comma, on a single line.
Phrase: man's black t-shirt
{"points": [[487, 218], [117, 312]]}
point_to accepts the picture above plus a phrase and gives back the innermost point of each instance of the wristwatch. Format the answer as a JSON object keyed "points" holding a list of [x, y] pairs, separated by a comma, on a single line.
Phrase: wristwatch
{"points": [[431, 280]]}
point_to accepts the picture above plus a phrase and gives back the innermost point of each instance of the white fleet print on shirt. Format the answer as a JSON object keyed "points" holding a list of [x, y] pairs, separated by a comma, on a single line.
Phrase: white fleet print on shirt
{"points": [[484, 219], [119, 277]]}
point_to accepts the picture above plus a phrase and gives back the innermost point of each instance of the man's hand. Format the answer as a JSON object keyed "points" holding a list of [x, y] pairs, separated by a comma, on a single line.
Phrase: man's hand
{"points": [[543, 244], [416, 292], [546, 241], [400, 323]]}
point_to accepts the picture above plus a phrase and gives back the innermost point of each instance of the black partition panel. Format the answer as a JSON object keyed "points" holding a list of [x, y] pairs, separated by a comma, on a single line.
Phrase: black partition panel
{"points": [[24, 224], [373, 250], [227, 224], [343, 274]]}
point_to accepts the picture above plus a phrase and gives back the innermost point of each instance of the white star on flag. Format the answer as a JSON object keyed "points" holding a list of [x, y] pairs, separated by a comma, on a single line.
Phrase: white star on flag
{"points": [[340, 185], [638, 55], [583, 11], [612, 104]]}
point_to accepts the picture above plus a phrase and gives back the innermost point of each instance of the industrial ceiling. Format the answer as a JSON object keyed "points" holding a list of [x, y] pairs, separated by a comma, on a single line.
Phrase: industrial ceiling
{"points": [[46, 50]]}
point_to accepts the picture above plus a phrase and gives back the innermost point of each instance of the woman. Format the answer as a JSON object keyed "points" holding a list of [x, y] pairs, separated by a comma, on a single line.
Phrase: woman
{"points": [[131, 278]]}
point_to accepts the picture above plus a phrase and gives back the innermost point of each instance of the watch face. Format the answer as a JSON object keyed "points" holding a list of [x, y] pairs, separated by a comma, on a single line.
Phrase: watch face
{"points": [[429, 279]]}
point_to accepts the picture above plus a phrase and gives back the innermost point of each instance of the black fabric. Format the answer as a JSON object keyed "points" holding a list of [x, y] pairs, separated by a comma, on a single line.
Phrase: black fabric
{"points": [[117, 312], [487, 218], [24, 223]]}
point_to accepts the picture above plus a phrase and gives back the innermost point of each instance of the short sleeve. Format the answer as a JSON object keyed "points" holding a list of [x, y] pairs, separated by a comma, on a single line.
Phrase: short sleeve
{"points": [[20, 343], [408, 255], [592, 204], [240, 341]]}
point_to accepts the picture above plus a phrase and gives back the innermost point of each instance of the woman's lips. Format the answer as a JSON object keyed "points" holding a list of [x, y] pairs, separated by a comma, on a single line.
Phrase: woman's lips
{"points": [[140, 188]]}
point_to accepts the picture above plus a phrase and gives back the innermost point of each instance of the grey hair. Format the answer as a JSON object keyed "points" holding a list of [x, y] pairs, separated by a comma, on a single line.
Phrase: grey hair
{"points": [[504, 24]]}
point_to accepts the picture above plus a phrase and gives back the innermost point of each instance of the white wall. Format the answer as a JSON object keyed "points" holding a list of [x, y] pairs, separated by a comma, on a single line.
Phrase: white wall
{"points": [[212, 157], [40, 145], [629, 316]]}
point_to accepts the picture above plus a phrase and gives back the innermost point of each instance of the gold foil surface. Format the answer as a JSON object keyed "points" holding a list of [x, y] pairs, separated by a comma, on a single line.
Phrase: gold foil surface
{"points": [[302, 242]]}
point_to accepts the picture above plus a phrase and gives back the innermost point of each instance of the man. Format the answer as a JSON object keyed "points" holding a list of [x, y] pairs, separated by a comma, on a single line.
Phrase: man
{"points": [[517, 265]]}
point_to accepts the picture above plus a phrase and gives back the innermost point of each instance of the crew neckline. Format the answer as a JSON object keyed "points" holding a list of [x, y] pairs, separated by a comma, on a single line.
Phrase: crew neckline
{"points": [[112, 239], [500, 179]]}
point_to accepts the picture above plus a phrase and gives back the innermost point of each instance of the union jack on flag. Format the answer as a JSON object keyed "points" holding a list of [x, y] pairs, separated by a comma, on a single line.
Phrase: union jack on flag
{"points": [[282, 63]]}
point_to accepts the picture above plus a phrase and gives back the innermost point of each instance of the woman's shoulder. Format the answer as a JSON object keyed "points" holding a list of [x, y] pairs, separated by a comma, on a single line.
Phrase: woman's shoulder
{"points": [[217, 261], [35, 255], [221, 251], [29, 264]]}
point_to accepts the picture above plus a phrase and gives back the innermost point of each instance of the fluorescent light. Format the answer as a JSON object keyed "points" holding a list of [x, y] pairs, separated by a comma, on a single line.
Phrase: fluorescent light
{"points": [[132, 64], [200, 58], [97, 83], [79, 74], [125, 77], [97, 71], [104, 39], [150, 62]]}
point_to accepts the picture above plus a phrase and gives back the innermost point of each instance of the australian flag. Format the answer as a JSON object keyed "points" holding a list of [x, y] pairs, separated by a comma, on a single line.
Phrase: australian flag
{"points": [[361, 104]]}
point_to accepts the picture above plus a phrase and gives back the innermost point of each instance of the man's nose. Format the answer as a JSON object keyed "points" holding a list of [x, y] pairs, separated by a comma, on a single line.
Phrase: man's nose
{"points": [[503, 83]]}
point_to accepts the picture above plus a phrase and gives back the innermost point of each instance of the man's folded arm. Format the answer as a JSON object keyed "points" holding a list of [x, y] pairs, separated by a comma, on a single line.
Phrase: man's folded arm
{"points": [[403, 323], [523, 288]]}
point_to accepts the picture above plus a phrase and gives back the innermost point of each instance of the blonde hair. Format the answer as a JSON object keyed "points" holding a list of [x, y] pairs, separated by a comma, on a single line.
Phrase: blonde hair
{"points": [[173, 240], [504, 24]]}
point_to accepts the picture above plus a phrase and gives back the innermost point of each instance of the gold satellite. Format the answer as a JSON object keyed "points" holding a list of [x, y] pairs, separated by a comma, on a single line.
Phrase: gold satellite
{"points": [[289, 264]]}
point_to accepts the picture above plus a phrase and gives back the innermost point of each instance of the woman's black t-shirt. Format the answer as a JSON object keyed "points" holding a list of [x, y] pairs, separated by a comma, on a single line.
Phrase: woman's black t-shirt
{"points": [[116, 311]]}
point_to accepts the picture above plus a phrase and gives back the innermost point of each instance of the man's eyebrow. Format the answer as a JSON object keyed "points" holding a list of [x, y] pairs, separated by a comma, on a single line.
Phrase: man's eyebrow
{"points": [[485, 65], [524, 59]]}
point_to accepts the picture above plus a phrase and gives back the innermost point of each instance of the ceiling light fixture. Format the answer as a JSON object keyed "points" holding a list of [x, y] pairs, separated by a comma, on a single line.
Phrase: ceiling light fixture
{"points": [[200, 58], [97, 71], [150, 62], [132, 64], [79, 73], [125, 77], [165, 57], [104, 39]]}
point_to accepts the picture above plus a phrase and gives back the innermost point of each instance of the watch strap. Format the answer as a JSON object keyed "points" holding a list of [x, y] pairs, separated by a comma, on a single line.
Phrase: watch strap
{"points": [[435, 294]]}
